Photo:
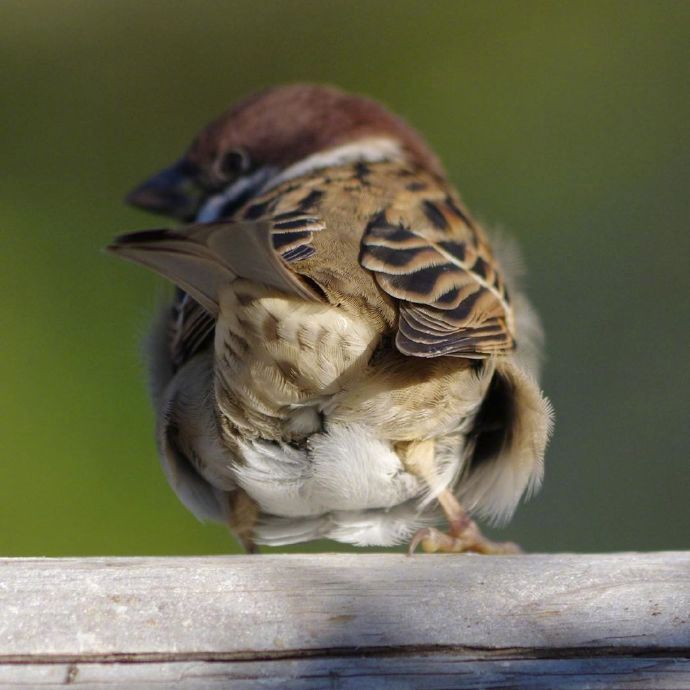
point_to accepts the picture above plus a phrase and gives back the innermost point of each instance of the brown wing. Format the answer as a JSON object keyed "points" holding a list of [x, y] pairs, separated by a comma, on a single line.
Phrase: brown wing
{"points": [[271, 233], [200, 258], [292, 213], [427, 253], [193, 326]]}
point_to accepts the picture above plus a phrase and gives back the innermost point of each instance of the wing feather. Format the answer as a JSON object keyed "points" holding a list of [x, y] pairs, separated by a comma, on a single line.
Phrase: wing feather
{"points": [[272, 233], [434, 260], [202, 257]]}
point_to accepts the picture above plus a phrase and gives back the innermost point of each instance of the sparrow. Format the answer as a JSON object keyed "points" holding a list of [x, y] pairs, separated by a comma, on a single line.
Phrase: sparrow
{"points": [[344, 356]]}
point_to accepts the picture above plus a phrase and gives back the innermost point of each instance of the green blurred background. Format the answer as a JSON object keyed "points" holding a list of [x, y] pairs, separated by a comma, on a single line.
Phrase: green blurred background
{"points": [[566, 123]]}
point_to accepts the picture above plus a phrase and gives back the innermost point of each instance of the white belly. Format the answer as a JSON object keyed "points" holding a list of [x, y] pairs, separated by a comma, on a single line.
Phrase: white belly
{"points": [[346, 485], [344, 469]]}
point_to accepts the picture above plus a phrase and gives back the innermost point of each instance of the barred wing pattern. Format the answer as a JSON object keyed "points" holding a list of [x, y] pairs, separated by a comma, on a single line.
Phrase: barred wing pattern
{"points": [[437, 263], [191, 326], [292, 229], [421, 247]]}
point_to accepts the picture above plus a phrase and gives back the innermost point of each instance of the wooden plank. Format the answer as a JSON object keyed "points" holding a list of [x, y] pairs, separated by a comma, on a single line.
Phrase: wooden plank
{"points": [[431, 672], [241, 607], [358, 618]]}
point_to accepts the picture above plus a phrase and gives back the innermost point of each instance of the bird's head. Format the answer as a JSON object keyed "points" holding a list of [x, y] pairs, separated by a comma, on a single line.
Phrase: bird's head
{"points": [[277, 134]]}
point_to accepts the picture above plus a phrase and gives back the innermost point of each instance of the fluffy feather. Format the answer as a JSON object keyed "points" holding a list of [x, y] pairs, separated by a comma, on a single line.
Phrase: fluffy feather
{"points": [[493, 488]]}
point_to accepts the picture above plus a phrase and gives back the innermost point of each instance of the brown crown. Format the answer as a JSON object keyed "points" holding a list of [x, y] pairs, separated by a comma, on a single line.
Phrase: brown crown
{"points": [[282, 125]]}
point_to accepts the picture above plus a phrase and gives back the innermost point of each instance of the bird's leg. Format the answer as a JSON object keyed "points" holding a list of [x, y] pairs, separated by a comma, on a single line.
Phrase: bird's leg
{"points": [[463, 534], [242, 518]]}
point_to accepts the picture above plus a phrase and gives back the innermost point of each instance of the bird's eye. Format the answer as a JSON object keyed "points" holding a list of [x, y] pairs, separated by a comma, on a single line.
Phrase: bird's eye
{"points": [[232, 164]]}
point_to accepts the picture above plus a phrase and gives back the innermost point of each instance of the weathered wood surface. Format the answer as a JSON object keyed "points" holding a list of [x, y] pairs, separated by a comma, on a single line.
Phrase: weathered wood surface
{"points": [[347, 621]]}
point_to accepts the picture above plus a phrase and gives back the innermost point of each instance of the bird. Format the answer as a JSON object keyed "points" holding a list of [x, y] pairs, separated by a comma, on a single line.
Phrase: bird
{"points": [[346, 355]]}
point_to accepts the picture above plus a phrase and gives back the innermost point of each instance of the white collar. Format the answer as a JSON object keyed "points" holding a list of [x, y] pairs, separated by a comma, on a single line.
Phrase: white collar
{"points": [[369, 150]]}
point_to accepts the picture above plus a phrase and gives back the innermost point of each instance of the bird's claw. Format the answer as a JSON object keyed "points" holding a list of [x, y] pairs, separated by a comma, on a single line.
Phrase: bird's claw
{"points": [[469, 540]]}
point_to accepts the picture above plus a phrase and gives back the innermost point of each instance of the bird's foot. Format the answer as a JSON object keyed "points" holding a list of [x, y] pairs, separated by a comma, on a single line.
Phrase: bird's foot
{"points": [[467, 539]]}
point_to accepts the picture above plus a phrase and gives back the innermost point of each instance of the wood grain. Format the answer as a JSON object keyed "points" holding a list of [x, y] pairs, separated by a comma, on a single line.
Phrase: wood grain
{"points": [[347, 621]]}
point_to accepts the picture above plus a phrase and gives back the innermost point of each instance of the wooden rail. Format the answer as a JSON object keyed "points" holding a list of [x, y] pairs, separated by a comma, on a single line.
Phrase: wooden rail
{"points": [[347, 621]]}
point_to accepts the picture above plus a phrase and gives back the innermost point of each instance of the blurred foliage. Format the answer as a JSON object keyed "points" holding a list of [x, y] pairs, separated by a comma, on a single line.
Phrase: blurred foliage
{"points": [[567, 122]]}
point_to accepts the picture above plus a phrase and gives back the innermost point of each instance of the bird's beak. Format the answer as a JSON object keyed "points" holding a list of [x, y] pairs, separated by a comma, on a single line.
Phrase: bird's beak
{"points": [[171, 192]]}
